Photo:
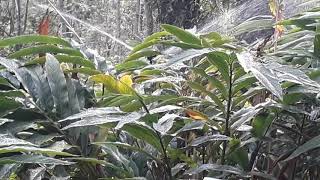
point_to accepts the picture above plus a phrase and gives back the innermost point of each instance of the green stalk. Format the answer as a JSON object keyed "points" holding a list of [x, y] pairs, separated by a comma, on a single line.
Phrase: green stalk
{"points": [[164, 150], [228, 113]]}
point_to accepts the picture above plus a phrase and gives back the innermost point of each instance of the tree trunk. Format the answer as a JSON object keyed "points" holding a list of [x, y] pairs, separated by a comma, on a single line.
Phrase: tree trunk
{"points": [[148, 17], [137, 23], [118, 18], [181, 13], [118, 33]]}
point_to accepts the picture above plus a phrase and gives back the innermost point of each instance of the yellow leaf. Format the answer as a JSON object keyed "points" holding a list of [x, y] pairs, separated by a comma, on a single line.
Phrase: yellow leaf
{"points": [[109, 82], [125, 85], [196, 115], [273, 7]]}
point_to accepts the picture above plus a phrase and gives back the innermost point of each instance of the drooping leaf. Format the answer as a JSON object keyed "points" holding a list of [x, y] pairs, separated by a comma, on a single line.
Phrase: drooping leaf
{"points": [[7, 105], [215, 99], [94, 113], [4, 120], [109, 82], [131, 65], [83, 70], [181, 34], [265, 76], [58, 85], [41, 49], [124, 85], [140, 54], [246, 114], [316, 45], [309, 145], [181, 45], [19, 149], [194, 125], [238, 153], [216, 167], [165, 123], [252, 25], [261, 124], [213, 81], [196, 115], [166, 108], [202, 140], [74, 105], [7, 140], [64, 58], [27, 39], [143, 132], [220, 60], [156, 35], [144, 45], [127, 146], [185, 55], [105, 119], [32, 159]]}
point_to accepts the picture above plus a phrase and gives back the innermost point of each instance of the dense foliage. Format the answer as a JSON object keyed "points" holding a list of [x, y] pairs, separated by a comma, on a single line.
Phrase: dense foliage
{"points": [[207, 106]]}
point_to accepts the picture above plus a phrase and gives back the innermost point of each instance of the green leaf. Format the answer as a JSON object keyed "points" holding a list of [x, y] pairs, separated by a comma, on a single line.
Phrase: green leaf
{"points": [[7, 140], [127, 146], [215, 167], [12, 93], [4, 84], [103, 119], [32, 159], [58, 85], [214, 81], [131, 65], [8, 105], [238, 154], [181, 34], [212, 36], [19, 149], [87, 160], [4, 120], [247, 95], [144, 45], [140, 54], [265, 76], [186, 55], [83, 70], [220, 60], [66, 59], [194, 125], [245, 81], [181, 45], [165, 123], [156, 35], [203, 140], [74, 105], [252, 25], [316, 45], [198, 87], [27, 39], [261, 123], [44, 49], [246, 114], [309, 145], [143, 132]]}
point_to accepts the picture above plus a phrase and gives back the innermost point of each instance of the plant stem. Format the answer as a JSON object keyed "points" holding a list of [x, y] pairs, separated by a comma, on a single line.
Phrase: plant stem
{"points": [[228, 113], [166, 159]]}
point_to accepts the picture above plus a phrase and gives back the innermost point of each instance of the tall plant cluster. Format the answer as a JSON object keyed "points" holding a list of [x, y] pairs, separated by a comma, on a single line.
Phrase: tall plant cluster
{"points": [[205, 107]]}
